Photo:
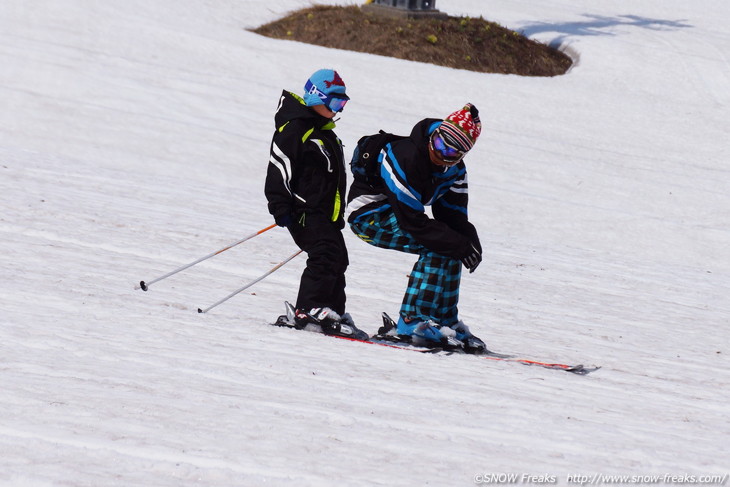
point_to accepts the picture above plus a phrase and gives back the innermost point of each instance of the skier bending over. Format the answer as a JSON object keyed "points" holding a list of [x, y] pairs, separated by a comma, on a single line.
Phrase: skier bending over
{"points": [[425, 169]]}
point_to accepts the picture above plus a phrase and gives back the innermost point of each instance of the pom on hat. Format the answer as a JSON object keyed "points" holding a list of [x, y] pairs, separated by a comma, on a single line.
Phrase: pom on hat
{"points": [[462, 128], [321, 85]]}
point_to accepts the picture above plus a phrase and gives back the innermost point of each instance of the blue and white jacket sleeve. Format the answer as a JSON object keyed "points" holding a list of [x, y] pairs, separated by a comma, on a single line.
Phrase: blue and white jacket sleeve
{"points": [[405, 183]]}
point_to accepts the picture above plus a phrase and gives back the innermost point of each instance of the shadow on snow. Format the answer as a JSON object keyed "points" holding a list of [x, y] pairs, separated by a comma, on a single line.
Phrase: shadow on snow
{"points": [[597, 25]]}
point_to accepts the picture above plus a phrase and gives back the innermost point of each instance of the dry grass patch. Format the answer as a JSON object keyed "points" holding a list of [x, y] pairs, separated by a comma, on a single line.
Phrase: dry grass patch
{"points": [[463, 43]]}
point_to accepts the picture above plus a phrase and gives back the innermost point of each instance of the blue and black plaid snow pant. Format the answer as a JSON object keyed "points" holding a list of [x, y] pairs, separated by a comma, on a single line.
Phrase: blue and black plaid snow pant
{"points": [[433, 286]]}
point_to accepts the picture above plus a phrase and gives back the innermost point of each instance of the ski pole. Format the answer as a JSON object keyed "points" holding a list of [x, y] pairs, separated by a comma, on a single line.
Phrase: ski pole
{"points": [[273, 269], [144, 285]]}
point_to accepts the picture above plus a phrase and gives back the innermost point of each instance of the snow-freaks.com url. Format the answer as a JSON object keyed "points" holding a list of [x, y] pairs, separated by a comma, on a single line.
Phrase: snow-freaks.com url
{"points": [[598, 479], [665, 479]]}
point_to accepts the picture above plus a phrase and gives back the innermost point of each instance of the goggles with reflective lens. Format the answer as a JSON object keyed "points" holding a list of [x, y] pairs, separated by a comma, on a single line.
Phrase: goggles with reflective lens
{"points": [[335, 102], [446, 153]]}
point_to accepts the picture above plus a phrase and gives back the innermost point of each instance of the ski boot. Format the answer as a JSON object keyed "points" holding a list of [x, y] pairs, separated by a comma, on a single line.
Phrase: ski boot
{"points": [[329, 322], [427, 334]]}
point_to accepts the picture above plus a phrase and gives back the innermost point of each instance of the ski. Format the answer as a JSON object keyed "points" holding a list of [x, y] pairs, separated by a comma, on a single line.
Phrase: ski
{"points": [[386, 337], [490, 355], [387, 333], [283, 322]]}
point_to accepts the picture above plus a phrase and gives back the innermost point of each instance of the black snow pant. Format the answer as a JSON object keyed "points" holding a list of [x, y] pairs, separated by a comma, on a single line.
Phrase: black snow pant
{"points": [[323, 280]]}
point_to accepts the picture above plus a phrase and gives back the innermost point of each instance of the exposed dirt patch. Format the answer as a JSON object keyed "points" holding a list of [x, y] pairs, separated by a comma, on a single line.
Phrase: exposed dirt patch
{"points": [[458, 42]]}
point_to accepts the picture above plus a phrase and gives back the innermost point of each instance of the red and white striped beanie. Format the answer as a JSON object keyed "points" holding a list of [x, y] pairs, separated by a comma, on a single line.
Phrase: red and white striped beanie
{"points": [[462, 127]]}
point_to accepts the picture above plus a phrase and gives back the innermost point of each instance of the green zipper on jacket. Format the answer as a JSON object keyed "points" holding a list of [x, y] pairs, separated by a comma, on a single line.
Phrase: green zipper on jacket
{"points": [[338, 205]]}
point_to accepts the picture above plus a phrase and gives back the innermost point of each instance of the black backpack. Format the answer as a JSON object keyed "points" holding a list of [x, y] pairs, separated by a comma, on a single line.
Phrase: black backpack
{"points": [[364, 164]]}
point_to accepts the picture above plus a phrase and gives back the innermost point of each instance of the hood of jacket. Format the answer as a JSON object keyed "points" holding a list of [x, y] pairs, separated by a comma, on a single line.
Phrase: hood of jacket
{"points": [[421, 133], [292, 107]]}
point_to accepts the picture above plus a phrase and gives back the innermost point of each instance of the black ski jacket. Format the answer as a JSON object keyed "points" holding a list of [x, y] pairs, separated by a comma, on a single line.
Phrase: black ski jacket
{"points": [[409, 182], [306, 174]]}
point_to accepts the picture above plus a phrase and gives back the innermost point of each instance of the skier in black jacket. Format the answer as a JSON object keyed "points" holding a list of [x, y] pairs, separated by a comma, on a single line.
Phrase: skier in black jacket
{"points": [[425, 169], [305, 188]]}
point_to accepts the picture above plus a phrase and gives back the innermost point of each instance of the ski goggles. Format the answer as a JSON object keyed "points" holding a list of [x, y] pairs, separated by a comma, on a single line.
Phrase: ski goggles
{"points": [[444, 151], [335, 102]]}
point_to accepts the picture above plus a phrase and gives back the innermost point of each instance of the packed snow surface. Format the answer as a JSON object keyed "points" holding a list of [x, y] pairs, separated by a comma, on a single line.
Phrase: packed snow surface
{"points": [[134, 138]]}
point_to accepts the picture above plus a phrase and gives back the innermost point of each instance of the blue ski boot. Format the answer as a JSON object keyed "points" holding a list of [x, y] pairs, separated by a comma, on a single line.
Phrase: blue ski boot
{"points": [[427, 334]]}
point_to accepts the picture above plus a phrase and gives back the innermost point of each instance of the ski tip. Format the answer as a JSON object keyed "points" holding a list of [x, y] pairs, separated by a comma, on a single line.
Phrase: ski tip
{"points": [[582, 370]]}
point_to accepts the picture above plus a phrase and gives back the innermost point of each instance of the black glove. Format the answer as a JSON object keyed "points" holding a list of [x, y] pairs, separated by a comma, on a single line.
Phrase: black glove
{"points": [[283, 220], [472, 260]]}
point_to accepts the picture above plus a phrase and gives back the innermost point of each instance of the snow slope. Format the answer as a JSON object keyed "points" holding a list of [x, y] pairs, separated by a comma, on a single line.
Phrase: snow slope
{"points": [[134, 139]]}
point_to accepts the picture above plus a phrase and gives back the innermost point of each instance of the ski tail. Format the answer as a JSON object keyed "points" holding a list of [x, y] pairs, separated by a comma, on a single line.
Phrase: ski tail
{"points": [[289, 311], [389, 326]]}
